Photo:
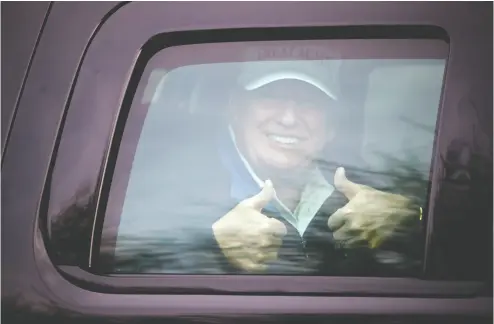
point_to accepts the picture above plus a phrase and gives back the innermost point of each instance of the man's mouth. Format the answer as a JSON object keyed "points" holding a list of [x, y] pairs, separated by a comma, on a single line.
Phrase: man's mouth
{"points": [[285, 140]]}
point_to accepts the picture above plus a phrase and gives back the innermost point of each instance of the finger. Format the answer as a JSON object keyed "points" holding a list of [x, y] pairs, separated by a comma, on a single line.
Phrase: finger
{"points": [[251, 266], [275, 243], [347, 239], [265, 255], [259, 201], [270, 255], [345, 186], [375, 242], [340, 236], [338, 219], [276, 228], [269, 241]]}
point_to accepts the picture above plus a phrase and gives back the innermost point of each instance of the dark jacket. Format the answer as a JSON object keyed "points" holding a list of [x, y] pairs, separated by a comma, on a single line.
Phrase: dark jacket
{"points": [[206, 186]]}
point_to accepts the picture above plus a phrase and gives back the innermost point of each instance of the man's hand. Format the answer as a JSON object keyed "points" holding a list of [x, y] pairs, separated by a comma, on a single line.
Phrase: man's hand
{"points": [[248, 238], [371, 217]]}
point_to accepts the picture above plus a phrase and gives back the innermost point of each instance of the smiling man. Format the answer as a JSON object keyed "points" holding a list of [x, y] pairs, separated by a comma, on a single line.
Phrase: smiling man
{"points": [[290, 217], [260, 195]]}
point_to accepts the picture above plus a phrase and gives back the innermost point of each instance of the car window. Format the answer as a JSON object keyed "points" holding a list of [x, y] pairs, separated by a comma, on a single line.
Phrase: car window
{"points": [[302, 158]]}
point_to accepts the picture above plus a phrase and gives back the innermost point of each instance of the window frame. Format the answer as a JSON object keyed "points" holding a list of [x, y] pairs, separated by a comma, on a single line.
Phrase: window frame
{"points": [[234, 284]]}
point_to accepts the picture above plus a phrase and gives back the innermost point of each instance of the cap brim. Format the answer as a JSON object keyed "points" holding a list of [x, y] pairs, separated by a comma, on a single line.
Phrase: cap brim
{"points": [[288, 76]]}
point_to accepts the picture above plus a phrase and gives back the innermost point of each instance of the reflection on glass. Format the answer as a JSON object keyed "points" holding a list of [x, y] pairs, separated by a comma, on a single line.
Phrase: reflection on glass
{"points": [[286, 166]]}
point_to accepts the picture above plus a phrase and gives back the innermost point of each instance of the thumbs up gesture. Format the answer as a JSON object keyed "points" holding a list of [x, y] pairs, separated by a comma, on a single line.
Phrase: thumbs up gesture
{"points": [[371, 217], [248, 238]]}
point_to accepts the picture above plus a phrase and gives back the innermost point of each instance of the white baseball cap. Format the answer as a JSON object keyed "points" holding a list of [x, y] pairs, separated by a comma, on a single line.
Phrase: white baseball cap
{"points": [[319, 74]]}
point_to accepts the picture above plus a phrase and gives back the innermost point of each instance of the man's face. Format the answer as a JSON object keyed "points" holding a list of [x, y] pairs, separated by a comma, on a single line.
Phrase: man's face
{"points": [[283, 125]]}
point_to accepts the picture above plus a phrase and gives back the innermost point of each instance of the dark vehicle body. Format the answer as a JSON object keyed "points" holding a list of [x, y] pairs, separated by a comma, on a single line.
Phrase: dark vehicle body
{"points": [[63, 66]]}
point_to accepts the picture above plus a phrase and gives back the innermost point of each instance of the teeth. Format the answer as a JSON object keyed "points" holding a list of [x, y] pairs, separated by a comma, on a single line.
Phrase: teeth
{"points": [[284, 139]]}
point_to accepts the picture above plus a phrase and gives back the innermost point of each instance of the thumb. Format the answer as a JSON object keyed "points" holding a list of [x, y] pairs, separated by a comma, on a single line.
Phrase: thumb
{"points": [[345, 186], [260, 200]]}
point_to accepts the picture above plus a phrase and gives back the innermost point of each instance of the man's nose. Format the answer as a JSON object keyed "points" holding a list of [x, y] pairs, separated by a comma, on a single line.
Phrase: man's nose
{"points": [[288, 116]]}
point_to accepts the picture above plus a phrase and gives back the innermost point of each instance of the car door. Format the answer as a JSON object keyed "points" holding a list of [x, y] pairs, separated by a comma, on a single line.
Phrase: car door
{"points": [[82, 128]]}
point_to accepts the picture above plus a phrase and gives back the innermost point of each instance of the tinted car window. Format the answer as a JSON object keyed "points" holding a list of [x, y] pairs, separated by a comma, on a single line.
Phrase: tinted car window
{"points": [[277, 158]]}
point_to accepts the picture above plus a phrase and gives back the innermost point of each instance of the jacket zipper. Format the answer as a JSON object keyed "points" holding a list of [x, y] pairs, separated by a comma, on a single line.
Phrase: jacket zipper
{"points": [[304, 246]]}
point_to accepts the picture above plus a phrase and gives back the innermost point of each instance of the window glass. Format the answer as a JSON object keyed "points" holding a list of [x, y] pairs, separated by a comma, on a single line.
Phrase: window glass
{"points": [[301, 158]]}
